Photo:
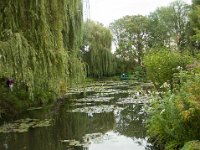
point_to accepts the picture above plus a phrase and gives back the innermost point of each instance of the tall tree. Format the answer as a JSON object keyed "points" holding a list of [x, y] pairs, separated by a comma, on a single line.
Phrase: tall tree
{"points": [[130, 37], [195, 24], [38, 39], [168, 25], [180, 15], [96, 50], [159, 32]]}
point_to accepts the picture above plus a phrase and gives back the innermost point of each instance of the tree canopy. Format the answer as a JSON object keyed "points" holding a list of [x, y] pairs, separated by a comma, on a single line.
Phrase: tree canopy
{"points": [[195, 24], [38, 42], [130, 37], [168, 26], [96, 50]]}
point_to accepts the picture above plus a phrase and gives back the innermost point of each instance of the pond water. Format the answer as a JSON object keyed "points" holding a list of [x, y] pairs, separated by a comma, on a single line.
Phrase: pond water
{"points": [[102, 116]]}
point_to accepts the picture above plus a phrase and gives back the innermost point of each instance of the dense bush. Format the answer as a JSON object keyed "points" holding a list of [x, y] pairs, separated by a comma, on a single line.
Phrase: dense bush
{"points": [[161, 65], [174, 120], [12, 103], [192, 145], [139, 73]]}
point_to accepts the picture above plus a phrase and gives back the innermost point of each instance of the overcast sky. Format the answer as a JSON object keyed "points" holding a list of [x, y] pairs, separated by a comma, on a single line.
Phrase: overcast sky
{"points": [[106, 11]]}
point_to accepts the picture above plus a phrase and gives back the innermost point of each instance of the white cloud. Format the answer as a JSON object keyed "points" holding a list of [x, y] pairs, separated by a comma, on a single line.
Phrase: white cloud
{"points": [[106, 11]]}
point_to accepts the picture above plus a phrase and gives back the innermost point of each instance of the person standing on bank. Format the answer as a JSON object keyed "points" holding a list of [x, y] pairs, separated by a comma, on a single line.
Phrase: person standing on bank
{"points": [[10, 84]]}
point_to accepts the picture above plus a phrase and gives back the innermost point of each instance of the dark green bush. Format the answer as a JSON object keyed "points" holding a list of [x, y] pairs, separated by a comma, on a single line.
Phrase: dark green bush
{"points": [[12, 103], [139, 73], [161, 65], [174, 120], [192, 145]]}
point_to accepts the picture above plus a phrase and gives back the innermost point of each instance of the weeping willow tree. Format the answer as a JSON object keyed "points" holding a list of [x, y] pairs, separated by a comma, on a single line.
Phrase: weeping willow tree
{"points": [[39, 43], [96, 50]]}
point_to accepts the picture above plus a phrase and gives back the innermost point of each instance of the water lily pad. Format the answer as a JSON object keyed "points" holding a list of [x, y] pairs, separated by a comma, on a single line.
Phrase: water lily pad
{"points": [[85, 142], [42, 123], [95, 109], [34, 108], [23, 125], [95, 99]]}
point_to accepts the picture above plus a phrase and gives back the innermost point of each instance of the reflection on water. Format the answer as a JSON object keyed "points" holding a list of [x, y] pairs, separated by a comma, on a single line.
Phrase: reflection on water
{"points": [[99, 122], [113, 140]]}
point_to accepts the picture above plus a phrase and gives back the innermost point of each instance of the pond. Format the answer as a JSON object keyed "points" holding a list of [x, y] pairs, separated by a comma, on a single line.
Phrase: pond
{"points": [[101, 116]]}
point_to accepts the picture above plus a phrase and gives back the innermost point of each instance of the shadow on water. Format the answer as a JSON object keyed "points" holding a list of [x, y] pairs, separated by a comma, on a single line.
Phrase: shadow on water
{"points": [[108, 116]]}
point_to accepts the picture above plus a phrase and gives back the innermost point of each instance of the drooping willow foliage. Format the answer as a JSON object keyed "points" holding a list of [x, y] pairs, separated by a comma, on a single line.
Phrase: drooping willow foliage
{"points": [[39, 43], [97, 50]]}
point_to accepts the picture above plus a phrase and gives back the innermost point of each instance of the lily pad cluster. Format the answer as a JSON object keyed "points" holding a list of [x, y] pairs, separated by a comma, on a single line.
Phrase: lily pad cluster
{"points": [[133, 100], [23, 125], [85, 142], [96, 109], [95, 99], [103, 99]]}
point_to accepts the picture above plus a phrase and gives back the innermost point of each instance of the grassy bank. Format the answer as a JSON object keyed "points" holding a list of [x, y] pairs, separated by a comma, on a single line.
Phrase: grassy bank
{"points": [[17, 101]]}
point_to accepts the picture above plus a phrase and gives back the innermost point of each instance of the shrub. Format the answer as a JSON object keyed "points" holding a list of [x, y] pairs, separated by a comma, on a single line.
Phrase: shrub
{"points": [[192, 145], [175, 120], [139, 73], [161, 65]]}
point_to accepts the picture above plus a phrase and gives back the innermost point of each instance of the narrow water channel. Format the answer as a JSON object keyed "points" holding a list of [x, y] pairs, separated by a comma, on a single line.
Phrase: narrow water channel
{"points": [[103, 116]]}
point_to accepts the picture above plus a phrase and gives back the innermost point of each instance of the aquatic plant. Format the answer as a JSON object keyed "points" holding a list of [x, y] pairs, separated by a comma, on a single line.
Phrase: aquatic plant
{"points": [[23, 125]]}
